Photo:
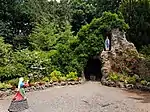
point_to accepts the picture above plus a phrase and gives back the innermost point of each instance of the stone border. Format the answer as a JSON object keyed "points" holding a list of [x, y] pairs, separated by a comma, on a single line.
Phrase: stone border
{"points": [[38, 87], [127, 86]]}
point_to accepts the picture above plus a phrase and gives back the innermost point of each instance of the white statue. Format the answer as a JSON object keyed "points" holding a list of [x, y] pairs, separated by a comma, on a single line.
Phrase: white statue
{"points": [[107, 44]]}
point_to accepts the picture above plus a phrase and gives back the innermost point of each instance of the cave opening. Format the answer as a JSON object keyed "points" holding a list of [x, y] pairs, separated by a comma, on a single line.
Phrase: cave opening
{"points": [[92, 70]]}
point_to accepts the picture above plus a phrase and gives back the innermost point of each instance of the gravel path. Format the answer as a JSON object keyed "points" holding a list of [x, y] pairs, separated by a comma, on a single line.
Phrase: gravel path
{"points": [[88, 97]]}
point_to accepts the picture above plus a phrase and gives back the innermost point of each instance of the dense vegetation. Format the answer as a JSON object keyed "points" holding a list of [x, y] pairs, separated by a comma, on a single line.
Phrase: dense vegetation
{"points": [[40, 37]]}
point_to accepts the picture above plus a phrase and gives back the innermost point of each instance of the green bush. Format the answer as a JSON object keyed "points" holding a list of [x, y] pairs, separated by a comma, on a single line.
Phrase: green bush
{"points": [[54, 79], [144, 82], [114, 77], [13, 82], [72, 76], [63, 78], [122, 78], [56, 75], [145, 51], [45, 79], [43, 37], [131, 80], [36, 62], [5, 86]]}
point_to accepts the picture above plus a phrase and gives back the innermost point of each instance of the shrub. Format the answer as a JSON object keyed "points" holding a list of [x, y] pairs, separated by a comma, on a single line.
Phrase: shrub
{"points": [[63, 78], [5, 86], [45, 79], [144, 82], [56, 75], [123, 78], [131, 80], [37, 63], [54, 79], [145, 50], [43, 37], [72, 76], [13, 82], [26, 78], [114, 77]]}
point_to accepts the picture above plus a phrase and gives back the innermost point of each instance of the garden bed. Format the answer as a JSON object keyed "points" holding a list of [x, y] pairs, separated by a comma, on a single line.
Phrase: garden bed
{"points": [[38, 86], [127, 82]]}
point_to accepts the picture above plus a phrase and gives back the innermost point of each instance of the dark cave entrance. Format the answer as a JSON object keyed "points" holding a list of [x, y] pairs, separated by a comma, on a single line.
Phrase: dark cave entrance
{"points": [[92, 70]]}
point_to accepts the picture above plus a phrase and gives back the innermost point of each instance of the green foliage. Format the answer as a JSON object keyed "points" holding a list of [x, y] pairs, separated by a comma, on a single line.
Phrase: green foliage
{"points": [[5, 86], [13, 82], [54, 79], [46, 79], [82, 13], [136, 14], [56, 75], [43, 37], [106, 5], [72, 76], [52, 11], [63, 78], [122, 78], [5, 52], [15, 22], [91, 36], [143, 82], [65, 59], [103, 25], [145, 50], [114, 77], [35, 62], [6, 66], [131, 80]]}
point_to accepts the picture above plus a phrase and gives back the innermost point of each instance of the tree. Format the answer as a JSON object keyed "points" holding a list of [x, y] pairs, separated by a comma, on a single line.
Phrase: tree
{"points": [[82, 13], [15, 21], [137, 15], [43, 37], [106, 5], [52, 11], [5, 51]]}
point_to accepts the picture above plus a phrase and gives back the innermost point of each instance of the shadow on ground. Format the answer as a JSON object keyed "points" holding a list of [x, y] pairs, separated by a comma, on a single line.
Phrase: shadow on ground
{"points": [[143, 97]]}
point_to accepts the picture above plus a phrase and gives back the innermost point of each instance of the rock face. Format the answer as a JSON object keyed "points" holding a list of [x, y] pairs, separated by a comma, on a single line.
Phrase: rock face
{"points": [[123, 57]]}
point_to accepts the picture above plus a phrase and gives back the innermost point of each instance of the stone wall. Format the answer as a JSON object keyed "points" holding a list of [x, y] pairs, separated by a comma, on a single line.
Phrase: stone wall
{"points": [[123, 57]]}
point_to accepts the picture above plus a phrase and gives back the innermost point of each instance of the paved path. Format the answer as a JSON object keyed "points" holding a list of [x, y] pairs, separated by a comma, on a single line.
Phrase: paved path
{"points": [[88, 97]]}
